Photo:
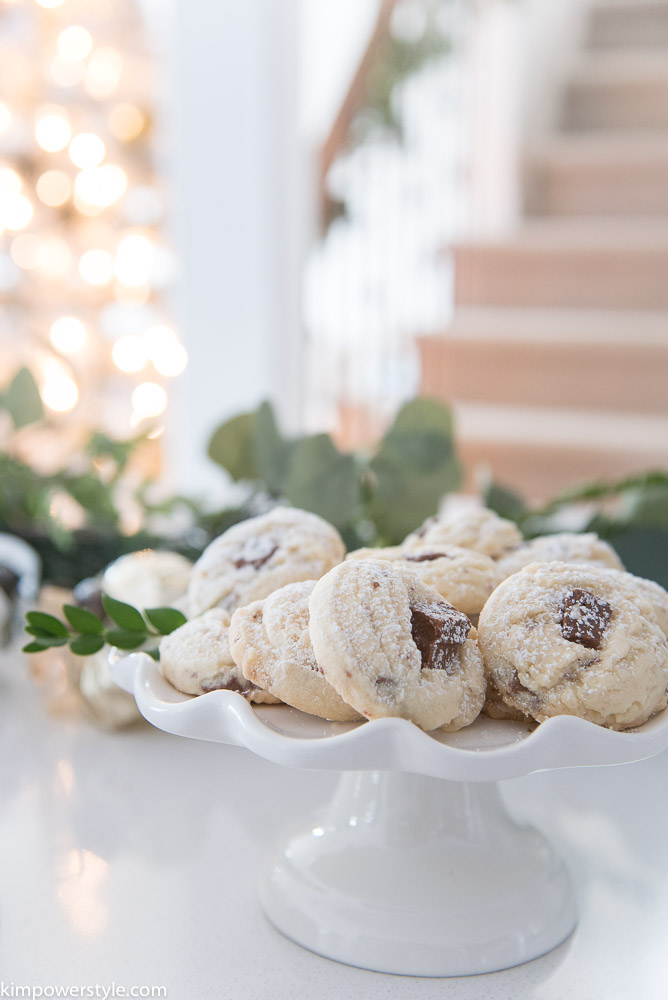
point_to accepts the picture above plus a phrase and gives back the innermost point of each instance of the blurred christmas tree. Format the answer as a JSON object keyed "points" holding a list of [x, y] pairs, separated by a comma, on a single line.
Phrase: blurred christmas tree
{"points": [[81, 262]]}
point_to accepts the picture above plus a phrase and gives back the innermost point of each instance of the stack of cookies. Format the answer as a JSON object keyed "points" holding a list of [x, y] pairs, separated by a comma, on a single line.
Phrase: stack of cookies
{"points": [[464, 617]]}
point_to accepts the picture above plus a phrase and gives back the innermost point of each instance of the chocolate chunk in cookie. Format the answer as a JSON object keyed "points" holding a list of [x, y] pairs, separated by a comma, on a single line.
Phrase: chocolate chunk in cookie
{"points": [[584, 618], [425, 556], [230, 683], [438, 631], [256, 552]]}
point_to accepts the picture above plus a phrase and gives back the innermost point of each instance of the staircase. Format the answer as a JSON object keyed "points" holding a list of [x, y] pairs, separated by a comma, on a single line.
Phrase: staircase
{"points": [[557, 358]]}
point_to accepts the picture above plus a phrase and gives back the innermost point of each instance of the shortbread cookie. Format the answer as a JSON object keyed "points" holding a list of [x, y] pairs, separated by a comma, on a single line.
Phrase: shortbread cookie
{"points": [[477, 528], [270, 642], [565, 546], [149, 578], [657, 597], [496, 708], [391, 646], [196, 659], [463, 577], [575, 639], [257, 556]]}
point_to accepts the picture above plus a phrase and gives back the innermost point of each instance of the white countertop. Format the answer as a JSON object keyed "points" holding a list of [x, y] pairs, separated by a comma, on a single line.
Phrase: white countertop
{"points": [[130, 858]]}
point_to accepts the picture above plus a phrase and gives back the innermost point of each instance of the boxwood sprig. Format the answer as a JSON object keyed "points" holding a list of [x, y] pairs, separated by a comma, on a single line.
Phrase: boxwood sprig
{"points": [[86, 633]]}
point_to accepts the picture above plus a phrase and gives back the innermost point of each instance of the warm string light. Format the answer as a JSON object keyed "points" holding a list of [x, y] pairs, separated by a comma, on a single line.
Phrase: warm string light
{"points": [[96, 267], [148, 400], [66, 73], [68, 335], [74, 43], [87, 150], [126, 122], [96, 188], [52, 129], [54, 188], [169, 357], [77, 206], [25, 251], [103, 72], [129, 354], [59, 391], [159, 346]]}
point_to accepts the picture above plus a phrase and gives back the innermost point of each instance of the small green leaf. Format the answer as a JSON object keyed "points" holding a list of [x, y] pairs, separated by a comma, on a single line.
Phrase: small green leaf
{"points": [[34, 647], [47, 623], [232, 445], [22, 399], [86, 645], [39, 633], [153, 653], [125, 639], [123, 615], [82, 620], [48, 641], [165, 620]]}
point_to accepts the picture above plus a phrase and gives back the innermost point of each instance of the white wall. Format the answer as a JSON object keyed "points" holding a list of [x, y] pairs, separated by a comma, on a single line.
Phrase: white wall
{"points": [[236, 176]]}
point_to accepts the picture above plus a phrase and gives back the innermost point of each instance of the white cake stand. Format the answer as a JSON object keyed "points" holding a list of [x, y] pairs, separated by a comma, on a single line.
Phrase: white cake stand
{"points": [[414, 866]]}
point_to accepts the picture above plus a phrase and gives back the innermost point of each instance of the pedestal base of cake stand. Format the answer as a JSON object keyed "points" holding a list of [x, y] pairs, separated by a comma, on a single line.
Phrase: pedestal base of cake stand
{"points": [[415, 866], [414, 875]]}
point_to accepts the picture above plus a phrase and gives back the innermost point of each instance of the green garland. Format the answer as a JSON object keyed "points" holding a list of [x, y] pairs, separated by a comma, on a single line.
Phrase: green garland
{"points": [[373, 498]]}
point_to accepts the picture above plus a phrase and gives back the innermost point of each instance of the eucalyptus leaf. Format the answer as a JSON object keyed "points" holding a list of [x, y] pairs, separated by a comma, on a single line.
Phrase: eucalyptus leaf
{"points": [[424, 414], [124, 615], [22, 399], [402, 502], [414, 467], [272, 451], [645, 506], [232, 445], [62, 537], [323, 480], [505, 502], [95, 498], [644, 551]]}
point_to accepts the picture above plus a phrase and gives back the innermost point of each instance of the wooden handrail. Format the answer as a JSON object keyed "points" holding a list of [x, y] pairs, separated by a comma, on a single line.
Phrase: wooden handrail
{"points": [[355, 96]]}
